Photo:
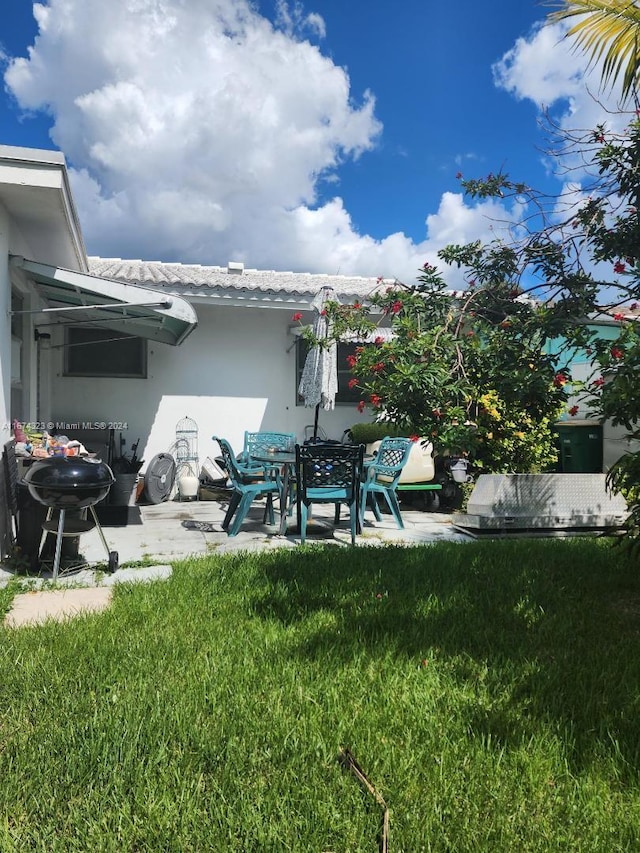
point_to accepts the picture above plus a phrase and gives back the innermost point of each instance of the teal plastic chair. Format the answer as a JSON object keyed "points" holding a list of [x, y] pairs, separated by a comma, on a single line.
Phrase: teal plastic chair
{"points": [[246, 489], [328, 474], [262, 442], [381, 477]]}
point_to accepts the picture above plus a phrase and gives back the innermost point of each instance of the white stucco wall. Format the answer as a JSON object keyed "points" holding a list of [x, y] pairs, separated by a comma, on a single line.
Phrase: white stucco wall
{"points": [[614, 438], [5, 372], [5, 328], [235, 372], [10, 237], [580, 373], [615, 444], [35, 389]]}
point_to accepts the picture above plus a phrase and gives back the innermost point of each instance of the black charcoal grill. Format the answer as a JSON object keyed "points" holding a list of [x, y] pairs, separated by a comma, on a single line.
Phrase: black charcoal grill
{"points": [[70, 483]]}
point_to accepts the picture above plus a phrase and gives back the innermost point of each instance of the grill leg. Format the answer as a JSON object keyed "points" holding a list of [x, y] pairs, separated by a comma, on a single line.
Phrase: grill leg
{"points": [[43, 537], [99, 529], [56, 559]]}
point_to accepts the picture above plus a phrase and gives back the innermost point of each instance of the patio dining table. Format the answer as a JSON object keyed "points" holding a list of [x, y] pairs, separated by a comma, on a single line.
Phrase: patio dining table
{"points": [[287, 461]]}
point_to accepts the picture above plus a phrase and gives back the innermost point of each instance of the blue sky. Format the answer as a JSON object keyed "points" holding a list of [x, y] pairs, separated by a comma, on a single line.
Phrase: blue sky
{"points": [[320, 136], [430, 68]]}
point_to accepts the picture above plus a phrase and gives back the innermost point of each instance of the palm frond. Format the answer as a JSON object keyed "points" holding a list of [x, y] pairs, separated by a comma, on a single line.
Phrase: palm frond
{"points": [[609, 31]]}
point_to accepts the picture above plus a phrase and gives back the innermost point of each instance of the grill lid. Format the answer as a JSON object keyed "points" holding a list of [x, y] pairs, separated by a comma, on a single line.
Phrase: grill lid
{"points": [[68, 473]]}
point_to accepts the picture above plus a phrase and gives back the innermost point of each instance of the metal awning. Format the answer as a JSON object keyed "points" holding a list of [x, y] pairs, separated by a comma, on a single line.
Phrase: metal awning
{"points": [[76, 298]]}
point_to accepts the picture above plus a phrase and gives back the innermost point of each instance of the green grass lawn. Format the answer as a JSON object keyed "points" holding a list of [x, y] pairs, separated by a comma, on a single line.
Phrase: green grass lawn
{"points": [[490, 691]]}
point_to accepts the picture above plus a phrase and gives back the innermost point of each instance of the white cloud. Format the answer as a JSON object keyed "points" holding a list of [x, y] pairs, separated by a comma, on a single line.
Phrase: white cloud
{"points": [[199, 131], [326, 239], [192, 127], [542, 67], [547, 69], [462, 159], [291, 17], [457, 222], [316, 24]]}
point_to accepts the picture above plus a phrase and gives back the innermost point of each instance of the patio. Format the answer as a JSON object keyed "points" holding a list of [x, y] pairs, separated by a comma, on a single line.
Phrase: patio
{"points": [[172, 530]]}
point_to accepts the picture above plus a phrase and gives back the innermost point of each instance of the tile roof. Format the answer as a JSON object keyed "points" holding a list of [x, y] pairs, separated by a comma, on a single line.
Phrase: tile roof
{"points": [[199, 280]]}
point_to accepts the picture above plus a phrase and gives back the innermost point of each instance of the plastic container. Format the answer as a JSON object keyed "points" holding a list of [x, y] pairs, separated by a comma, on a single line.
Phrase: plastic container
{"points": [[123, 491]]}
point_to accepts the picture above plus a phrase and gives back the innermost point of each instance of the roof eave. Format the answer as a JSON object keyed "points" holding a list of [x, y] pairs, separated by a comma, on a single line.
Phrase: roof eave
{"points": [[35, 189]]}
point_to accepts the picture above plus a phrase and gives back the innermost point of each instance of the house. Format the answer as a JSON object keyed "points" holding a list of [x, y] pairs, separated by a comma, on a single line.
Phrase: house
{"points": [[240, 369], [92, 344], [587, 443], [89, 344]]}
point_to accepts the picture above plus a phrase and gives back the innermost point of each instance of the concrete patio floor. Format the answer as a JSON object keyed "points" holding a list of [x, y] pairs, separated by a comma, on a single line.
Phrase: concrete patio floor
{"points": [[176, 529], [173, 530], [164, 533]]}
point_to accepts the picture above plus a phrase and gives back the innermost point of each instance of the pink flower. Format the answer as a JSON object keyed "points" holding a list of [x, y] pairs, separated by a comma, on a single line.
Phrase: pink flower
{"points": [[599, 382], [351, 360], [357, 305], [323, 313], [396, 307], [618, 316], [414, 437], [559, 380], [379, 340], [361, 406], [617, 353], [378, 367], [573, 411], [619, 267], [297, 316], [634, 306], [375, 400], [352, 383]]}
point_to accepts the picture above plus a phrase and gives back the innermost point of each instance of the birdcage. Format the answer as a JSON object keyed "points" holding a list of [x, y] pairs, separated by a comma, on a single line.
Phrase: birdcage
{"points": [[185, 452], [186, 444]]}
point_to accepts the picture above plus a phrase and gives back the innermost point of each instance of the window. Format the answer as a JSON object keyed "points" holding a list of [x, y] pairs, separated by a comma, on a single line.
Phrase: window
{"points": [[345, 394], [103, 352]]}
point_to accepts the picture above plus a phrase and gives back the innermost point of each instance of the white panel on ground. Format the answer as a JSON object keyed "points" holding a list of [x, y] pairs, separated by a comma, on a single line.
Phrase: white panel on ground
{"points": [[542, 502]]}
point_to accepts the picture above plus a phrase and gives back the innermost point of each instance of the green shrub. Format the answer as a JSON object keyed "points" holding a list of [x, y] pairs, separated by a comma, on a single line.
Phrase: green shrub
{"points": [[368, 433]]}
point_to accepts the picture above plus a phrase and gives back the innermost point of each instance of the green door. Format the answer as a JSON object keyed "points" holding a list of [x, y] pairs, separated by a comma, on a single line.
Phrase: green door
{"points": [[580, 447]]}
